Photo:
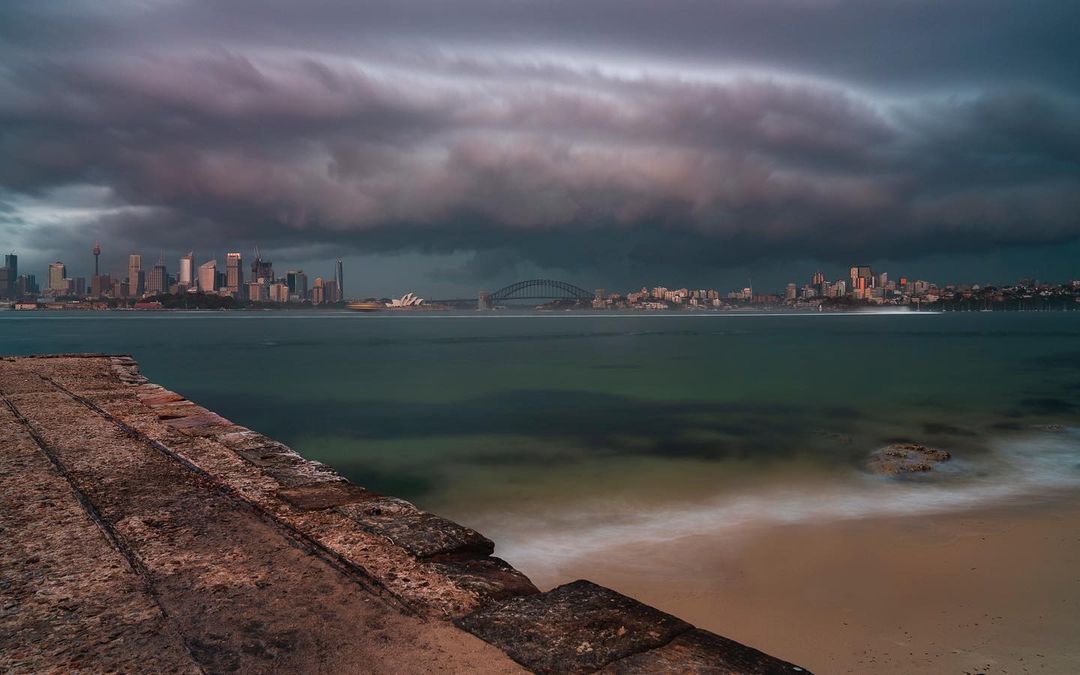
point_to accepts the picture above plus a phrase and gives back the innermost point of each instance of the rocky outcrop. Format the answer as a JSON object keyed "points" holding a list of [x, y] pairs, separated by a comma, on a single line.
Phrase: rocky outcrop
{"points": [[904, 458]]}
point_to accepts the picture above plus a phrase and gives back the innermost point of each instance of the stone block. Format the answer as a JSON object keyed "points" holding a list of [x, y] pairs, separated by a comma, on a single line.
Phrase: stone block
{"points": [[576, 628], [324, 495], [700, 652], [420, 533]]}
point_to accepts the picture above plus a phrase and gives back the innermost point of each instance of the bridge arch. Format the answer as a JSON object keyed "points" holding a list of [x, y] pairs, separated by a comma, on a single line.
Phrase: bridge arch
{"points": [[540, 289]]}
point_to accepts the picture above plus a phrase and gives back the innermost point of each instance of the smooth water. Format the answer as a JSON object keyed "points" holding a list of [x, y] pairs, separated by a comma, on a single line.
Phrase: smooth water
{"points": [[573, 427]]}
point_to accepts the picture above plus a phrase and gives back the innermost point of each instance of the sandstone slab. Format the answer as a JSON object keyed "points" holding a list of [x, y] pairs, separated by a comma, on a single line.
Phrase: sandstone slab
{"points": [[576, 628]]}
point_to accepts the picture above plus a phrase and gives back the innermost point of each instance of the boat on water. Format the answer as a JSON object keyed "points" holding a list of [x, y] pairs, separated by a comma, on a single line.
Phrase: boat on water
{"points": [[364, 306]]}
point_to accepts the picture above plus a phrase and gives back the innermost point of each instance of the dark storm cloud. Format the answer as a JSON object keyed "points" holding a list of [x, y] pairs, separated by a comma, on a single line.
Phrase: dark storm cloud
{"points": [[577, 135]]}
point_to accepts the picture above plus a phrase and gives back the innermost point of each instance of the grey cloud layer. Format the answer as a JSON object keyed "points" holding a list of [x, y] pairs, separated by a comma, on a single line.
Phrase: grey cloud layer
{"points": [[227, 132]]}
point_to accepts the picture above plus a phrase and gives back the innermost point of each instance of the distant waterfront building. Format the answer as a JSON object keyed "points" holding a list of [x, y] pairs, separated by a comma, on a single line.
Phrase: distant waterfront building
{"points": [[234, 274], [279, 292], [136, 277], [331, 292], [598, 301], [159, 279], [208, 277], [339, 282], [9, 276], [791, 292], [26, 284], [258, 291], [101, 285], [862, 278], [187, 270], [318, 292], [261, 269], [57, 274], [484, 300], [297, 282]]}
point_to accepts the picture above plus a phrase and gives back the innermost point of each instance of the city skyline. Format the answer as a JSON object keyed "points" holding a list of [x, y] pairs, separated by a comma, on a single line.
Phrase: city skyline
{"points": [[453, 148], [862, 285]]}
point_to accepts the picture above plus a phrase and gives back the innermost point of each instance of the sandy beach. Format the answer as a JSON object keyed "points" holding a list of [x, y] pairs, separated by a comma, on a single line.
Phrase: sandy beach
{"points": [[988, 590]]}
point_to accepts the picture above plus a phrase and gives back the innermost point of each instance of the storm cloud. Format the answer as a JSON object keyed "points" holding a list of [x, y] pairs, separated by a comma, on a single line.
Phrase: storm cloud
{"points": [[630, 136]]}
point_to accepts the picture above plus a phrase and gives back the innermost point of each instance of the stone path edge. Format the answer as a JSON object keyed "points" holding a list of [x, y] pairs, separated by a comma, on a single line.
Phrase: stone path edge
{"points": [[416, 561]]}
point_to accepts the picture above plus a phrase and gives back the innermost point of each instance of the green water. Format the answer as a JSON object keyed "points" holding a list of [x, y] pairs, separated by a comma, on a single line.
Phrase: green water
{"points": [[497, 419]]}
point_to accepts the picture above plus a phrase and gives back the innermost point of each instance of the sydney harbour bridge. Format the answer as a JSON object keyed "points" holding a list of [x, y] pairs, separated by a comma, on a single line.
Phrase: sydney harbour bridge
{"points": [[532, 289]]}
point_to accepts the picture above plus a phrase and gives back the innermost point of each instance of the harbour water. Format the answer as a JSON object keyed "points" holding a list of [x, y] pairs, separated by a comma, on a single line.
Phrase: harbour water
{"points": [[559, 433]]}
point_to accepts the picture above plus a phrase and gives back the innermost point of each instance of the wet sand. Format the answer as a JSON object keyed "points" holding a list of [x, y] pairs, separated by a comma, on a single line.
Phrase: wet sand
{"points": [[988, 590]]}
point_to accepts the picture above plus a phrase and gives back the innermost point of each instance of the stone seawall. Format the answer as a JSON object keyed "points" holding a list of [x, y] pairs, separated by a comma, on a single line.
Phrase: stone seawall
{"points": [[150, 468]]}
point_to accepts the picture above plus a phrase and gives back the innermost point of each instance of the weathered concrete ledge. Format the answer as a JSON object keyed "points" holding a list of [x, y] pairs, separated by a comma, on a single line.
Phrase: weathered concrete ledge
{"points": [[414, 562]]}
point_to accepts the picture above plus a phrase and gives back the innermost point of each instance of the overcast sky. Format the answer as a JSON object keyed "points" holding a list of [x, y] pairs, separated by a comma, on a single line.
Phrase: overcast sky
{"points": [[444, 146]]}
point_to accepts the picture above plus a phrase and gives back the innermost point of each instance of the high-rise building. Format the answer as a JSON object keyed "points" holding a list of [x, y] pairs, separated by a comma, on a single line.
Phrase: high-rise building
{"points": [[297, 282], [331, 293], [208, 276], [9, 274], [159, 278], [101, 285], [234, 274], [187, 270], [258, 291], [261, 269], [57, 276], [279, 292], [339, 279], [26, 284], [318, 292], [861, 277], [11, 262], [136, 277]]}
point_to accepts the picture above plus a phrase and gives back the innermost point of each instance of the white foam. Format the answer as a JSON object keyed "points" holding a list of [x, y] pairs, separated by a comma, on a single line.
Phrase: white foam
{"points": [[1035, 465]]}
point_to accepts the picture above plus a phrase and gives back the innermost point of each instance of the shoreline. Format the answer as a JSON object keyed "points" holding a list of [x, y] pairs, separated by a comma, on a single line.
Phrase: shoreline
{"points": [[991, 588]]}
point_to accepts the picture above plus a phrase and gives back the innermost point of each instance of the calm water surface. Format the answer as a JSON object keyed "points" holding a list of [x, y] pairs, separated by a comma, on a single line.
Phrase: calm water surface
{"points": [[549, 431]]}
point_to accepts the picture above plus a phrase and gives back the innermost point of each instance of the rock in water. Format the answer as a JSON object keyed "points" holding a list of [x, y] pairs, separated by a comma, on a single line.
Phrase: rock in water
{"points": [[900, 458]]}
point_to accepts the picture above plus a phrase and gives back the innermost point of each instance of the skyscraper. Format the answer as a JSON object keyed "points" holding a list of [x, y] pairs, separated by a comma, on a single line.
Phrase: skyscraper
{"points": [[261, 269], [339, 278], [330, 291], [9, 273], [57, 277], [159, 279], [208, 276], [187, 270], [297, 282], [234, 274], [862, 278], [136, 277], [11, 262], [101, 285]]}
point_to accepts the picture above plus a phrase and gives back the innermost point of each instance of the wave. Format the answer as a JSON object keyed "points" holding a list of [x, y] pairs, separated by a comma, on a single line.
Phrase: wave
{"points": [[1036, 465]]}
